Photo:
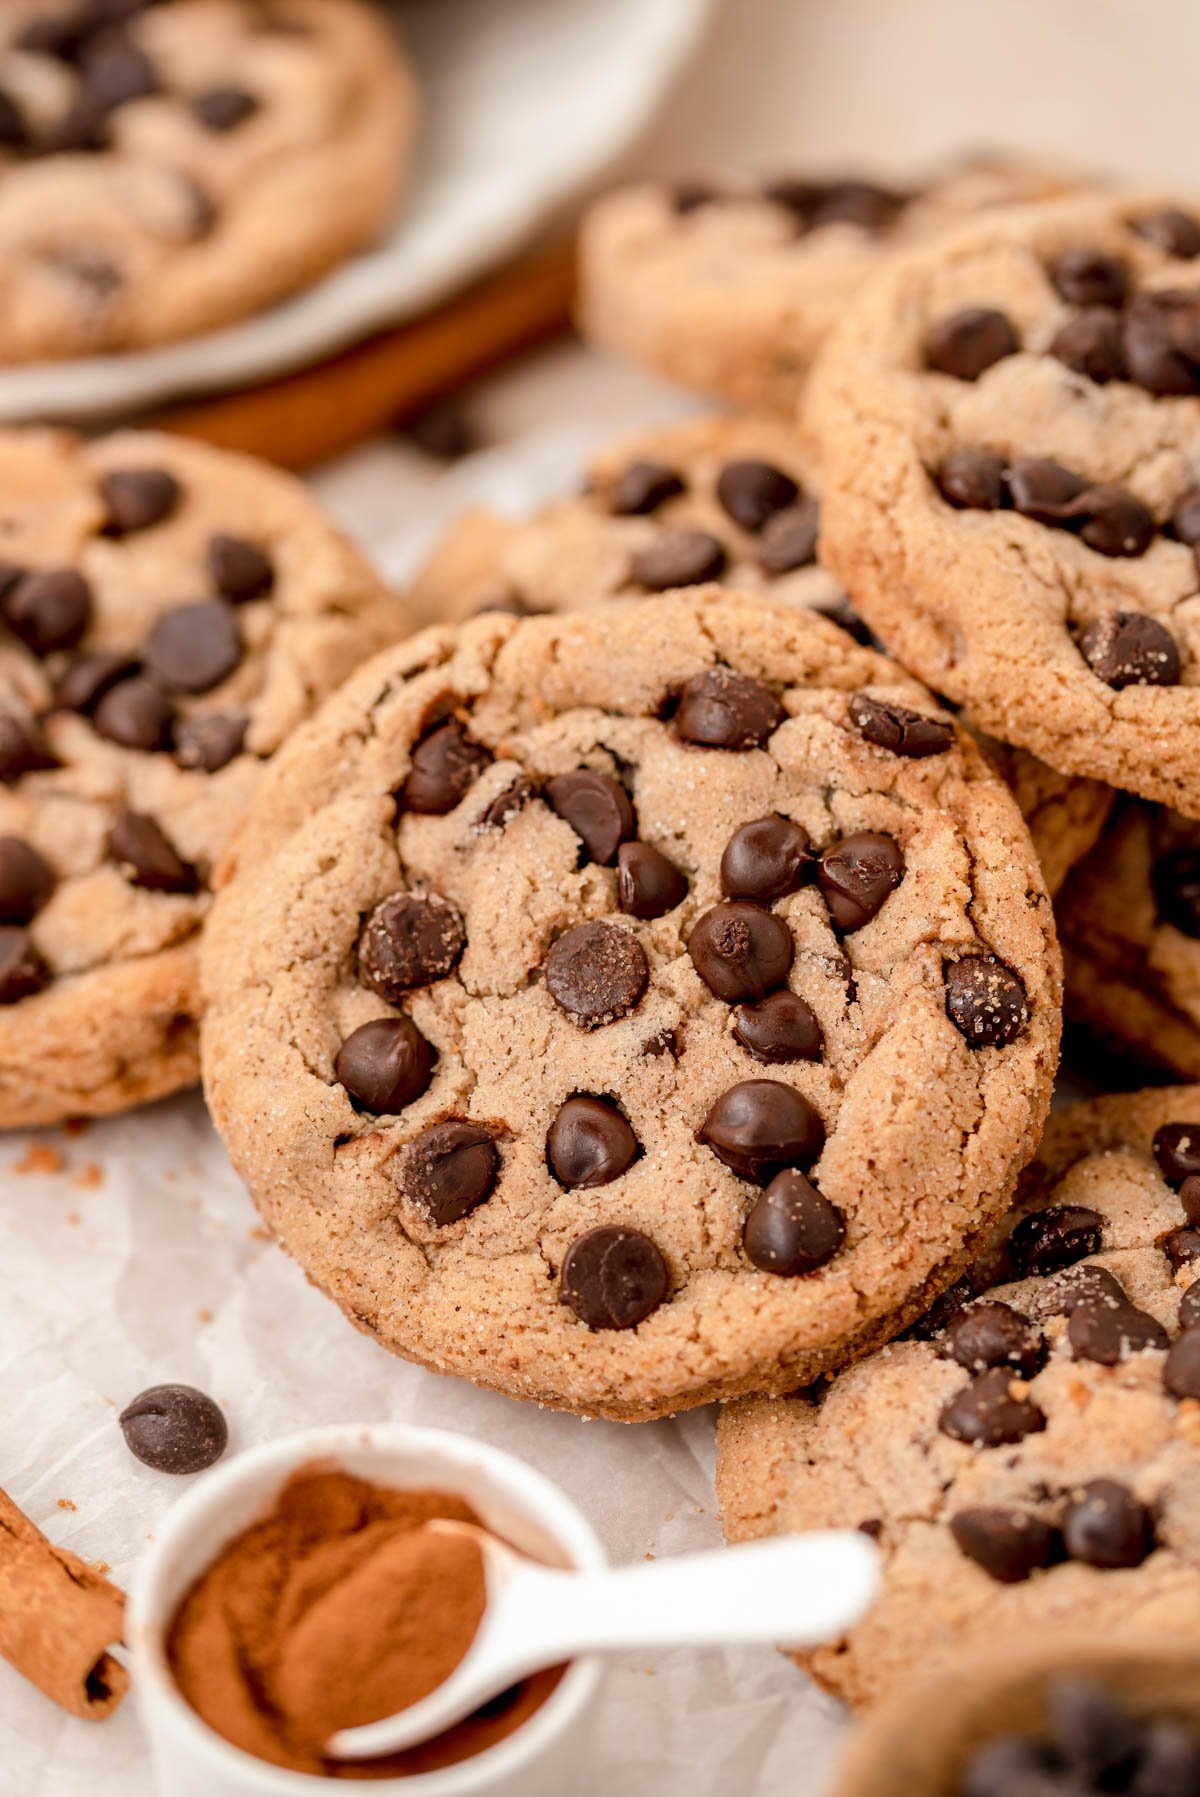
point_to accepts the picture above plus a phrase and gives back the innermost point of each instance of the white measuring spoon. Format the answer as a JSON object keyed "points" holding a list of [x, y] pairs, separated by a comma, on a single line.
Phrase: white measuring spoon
{"points": [[797, 1591]]}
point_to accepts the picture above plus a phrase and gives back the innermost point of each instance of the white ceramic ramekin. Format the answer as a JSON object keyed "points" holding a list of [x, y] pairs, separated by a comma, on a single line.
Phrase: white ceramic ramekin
{"points": [[538, 1760]]}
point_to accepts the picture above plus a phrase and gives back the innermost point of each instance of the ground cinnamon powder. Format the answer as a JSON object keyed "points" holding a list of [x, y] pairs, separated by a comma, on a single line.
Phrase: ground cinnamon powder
{"points": [[336, 1609]]}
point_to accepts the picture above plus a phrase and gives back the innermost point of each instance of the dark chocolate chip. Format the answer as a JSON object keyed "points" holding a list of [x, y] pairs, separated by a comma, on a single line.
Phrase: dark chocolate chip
{"points": [[1189, 1307], [839, 611], [857, 875], [789, 538], [136, 498], [1127, 648], [859, 203], [751, 492], [505, 806], [443, 430], [1009, 1545], [1090, 344], [597, 808], [1185, 518], [643, 487], [596, 972], [1189, 1198], [989, 1413], [1177, 1151], [1042, 489], [1169, 1763], [209, 741], [1048, 1240], [1096, 1735], [87, 678], [221, 109], [49, 611], [985, 1001], [993, 1334], [1105, 1332], [26, 881], [14, 128], [968, 342], [1159, 341], [766, 859], [1106, 1526], [942, 1312], [22, 750], [1089, 278], [740, 950], [174, 1429], [678, 558], [973, 480], [791, 1228], [898, 729], [1076, 1285], [1014, 1766], [194, 647], [385, 1065], [613, 1278], [408, 942], [22, 970], [589, 1143], [1181, 1246], [115, 71], [1112, 522], [761, 1126], [146, 857], [722, 709], [779, 1028], [1181, 1369], [449, 1169], [689, 196], [135, 713], [445, 765], [1171, 230], [240, 570], [1176, 881], [648, 885]]}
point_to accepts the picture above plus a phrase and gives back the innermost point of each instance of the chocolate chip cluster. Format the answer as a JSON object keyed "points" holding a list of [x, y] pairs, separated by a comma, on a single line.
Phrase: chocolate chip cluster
{"points": [[1094, 1744], [809, 204], [596, 972]]}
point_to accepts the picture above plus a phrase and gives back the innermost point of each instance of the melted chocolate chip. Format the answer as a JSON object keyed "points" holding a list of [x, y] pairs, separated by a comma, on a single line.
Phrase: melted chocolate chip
{"points": [[596, 972], [135, 713], [973, 480], [210, 741], [22, 970], [648, 885], [1076, 1285], [1113, 522], [895, 727], [385, 1065], [450, 1169], [22, 750], [1181, 1369], [137, 498], [857, 875], [722, 709], [1089, 278], [789, 538], [1189, 1198], [597, 808], [1177, 1151], [241, 571], [194, 647], [1090, 344], [678, 558], [26, 881], [1105, 1332], [991, 1411], [1106, 1526], [741, 950], [751, 492], [968, 342], [87, 678], [1181, 1247], [1176, 233], [643, 487], [985, 1001], [1176, 881], [174, 1429], [780, 1028], [791, 1228], [766, 859], [613, 1278], [589, 1143], [1048, 1240], [1160, 341], [146, 857], [1127, 648], [222, 109], [408, 942], [761, 1126], [505, 806], [1043, 489], [1189, 1307], [48, 611], [445, 765], [993, 1334], [1009, 1545]]}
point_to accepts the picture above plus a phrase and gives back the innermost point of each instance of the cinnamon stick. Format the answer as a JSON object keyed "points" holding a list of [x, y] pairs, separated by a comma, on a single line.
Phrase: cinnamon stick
{"points": [[58, 1618]]}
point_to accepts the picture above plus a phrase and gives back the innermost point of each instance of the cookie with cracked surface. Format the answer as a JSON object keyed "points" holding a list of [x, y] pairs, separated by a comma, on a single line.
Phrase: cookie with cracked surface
{"points": [[747, 488], [732, 291], [168, 613], [726, 947], [1029, 1461], [171, 166], [1015, 514]]}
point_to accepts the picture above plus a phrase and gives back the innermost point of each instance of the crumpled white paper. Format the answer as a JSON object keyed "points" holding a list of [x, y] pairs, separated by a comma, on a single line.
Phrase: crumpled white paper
{"points": [[140, 1261]]}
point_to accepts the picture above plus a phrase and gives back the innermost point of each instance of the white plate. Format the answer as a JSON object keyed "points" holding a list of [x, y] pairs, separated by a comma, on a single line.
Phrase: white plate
{"points": [[525, 102]]}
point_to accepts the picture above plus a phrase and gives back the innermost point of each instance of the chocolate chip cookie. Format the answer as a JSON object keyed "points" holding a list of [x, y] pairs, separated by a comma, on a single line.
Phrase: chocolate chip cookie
{"points": [[626, 1008], [168, 613], [1011, 422], [1028, 1458], [733, 290], [169, 166]]}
